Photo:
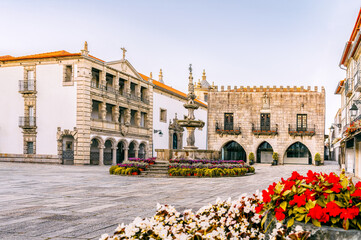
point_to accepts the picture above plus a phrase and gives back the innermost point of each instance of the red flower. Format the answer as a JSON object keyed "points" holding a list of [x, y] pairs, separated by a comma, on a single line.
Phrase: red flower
{"points": [[336, 187], [319, 214], [333, 209], [259, 208], [295, 176], [349, 213], [299, 200], [279, 214], [332, 178], [358, 185], [310, 194], [266, 196], [311, 176], [357, 193]]}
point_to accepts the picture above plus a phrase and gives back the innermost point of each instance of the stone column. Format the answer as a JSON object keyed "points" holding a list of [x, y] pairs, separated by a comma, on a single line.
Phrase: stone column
{"points": [[126, 153], [116, 113], [101, 155], [137, 118], [136, 150], [114, 160], [171, 132], [127, 116], [180, 140], [103, 111]]}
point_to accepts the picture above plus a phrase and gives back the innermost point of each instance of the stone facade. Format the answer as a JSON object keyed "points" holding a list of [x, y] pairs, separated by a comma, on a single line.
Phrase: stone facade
{"points": [[281, 105]]}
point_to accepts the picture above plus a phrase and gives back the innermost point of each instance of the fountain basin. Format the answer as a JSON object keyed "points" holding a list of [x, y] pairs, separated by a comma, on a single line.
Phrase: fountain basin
{"points": [[189, 154], [191, 123]]}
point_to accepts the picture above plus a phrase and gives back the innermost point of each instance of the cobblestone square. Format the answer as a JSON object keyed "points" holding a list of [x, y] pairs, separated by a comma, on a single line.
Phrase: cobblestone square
{"points": [[82, 202]]}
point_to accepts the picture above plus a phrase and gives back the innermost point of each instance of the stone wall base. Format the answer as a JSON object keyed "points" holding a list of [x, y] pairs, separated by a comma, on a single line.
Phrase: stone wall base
{"points": [[166, 154], [30, 158]]}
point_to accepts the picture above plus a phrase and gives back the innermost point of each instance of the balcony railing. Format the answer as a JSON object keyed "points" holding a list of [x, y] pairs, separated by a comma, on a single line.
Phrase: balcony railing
{"points": [[26, 86], [116, 92], [348, 89], [301, 131], [264, 130], [27, 122], [229, 130]]}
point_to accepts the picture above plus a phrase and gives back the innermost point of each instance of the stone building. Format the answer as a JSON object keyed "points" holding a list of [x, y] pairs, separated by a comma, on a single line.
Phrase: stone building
{"points": [[350, 89], [70, 108], [263, 120]]}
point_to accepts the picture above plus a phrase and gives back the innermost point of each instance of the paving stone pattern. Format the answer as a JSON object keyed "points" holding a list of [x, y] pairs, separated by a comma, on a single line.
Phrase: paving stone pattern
{"points": [[39, 201]]}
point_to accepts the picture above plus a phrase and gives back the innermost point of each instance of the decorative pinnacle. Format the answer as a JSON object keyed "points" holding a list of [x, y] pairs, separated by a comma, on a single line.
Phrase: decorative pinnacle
{"points": [[204, 75], [85, 50], [190, 68], [86, 46], [124, 51], [160, 75], [150, 75]]}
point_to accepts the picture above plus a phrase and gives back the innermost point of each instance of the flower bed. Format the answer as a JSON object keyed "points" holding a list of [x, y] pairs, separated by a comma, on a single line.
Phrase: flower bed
{"points": [[148, 160], [222, 220], [209, 172], [323, 199], [128, 168], [206, 161]]}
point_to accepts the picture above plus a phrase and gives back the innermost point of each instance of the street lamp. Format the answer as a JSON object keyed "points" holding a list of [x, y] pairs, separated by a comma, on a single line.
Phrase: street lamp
{"points": [[353, 110]]}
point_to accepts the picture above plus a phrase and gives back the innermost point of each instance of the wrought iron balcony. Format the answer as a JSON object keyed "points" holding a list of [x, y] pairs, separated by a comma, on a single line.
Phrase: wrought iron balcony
{"points": [[27, 122], [228, 130], [261, 130], [348, 88], [301, 131], [27, 86]]}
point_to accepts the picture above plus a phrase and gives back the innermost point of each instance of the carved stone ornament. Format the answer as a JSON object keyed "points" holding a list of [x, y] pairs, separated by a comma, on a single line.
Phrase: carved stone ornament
{"points": [[124, 129]]}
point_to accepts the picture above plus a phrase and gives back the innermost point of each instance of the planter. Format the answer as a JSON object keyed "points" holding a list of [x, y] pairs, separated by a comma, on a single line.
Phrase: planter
{"points": [[317, 163], [275, 162], [251, 162]]}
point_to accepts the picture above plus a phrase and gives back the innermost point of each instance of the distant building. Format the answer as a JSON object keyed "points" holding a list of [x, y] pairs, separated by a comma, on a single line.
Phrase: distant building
{"points": [[70, 108], [263, 120], [350, 89]]}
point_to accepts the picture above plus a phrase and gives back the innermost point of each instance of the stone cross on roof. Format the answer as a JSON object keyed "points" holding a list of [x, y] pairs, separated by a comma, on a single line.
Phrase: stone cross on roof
{"points": [[124, 51]]}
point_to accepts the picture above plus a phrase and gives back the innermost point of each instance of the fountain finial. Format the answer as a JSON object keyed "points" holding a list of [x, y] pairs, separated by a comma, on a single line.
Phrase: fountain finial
{"points": [[190, 68]]}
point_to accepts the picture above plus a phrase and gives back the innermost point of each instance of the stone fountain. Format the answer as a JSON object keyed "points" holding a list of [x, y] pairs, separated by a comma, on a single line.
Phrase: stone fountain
{"points": [[190, 123]]}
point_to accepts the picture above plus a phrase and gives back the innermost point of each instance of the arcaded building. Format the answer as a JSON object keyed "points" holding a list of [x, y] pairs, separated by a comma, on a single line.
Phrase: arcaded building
{"points": [[263, 120], [73, 108]]}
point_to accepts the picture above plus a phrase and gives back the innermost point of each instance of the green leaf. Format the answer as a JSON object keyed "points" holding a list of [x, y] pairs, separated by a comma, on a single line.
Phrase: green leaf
{"points": [[328, 191], [344, 183], [321, 202], [300, 217], [331, 197], [286, 192], [307, 218], [264, 219], [283, 205], [334, 220], [316, 223], [340, 204], [294, 189], [290, 222]]}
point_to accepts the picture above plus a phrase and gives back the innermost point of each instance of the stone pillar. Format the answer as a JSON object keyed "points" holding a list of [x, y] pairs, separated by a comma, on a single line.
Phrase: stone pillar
{"points": [[180, 140], [103, 111], [137, 118], [101, 155], [127, 116], [171, 132], [116, 113], [136, 150], [126, 153], [114, 160]]}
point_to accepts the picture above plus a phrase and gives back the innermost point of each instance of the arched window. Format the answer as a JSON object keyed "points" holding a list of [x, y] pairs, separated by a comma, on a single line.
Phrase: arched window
{"points": [[175, 141], [264, 153], [298, 153], [142, 151]]}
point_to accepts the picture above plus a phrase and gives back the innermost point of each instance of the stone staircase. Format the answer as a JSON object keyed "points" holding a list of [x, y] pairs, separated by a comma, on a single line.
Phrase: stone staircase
{"points": [[158, 169]]}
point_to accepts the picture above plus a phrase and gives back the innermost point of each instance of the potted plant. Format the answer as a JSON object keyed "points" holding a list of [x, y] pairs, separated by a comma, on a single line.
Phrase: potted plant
{"points": [[317, 159], [275, 158], [251, 158]]}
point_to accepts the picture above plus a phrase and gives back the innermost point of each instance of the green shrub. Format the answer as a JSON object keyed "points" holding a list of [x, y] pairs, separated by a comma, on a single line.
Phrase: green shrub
{"points": [[118, 171], [251, 156], [112, 168], [317, 157], [275, 156]]}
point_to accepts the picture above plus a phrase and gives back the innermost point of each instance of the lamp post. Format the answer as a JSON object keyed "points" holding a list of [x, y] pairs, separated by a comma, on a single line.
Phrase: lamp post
{"points": [[353, 110]]}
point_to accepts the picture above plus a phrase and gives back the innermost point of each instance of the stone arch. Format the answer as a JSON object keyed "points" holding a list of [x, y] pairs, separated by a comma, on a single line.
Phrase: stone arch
{"points": [[122, 151], [67, 151], [233, 149], [143, 150], [112, 140], [96, 150], [108, 152], [301, 157], [264, 152], [133, 149]]}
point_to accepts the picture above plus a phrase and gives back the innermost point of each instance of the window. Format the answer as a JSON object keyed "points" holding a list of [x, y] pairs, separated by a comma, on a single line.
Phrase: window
{"points": [[143, 95], [30, 147], [109, 112], [95, 77], [68, 73], [121, 86], [301, 122], [121, 115], [356, 79], [69, 145], [132, 89], [95, 110], [265, 121], [228, 121], [163, 115], [132, 117], [109, 81], [206, 97], [30, 75], [143, 117]]}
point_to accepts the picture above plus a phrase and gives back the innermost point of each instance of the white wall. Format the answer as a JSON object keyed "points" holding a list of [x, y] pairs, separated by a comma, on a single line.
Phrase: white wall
{"points": [[56, 107], [174, 105], [12, 107]]}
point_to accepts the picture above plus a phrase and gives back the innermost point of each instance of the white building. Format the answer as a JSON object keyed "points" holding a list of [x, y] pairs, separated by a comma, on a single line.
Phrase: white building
{"points": [[167, 106]]}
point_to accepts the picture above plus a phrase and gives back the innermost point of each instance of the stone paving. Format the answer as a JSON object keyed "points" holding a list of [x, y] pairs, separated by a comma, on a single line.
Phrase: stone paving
{"points": [[83, 202]]}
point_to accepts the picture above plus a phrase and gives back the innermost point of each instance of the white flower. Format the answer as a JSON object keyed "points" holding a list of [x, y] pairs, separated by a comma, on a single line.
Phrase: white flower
{"points": [[298, 228], [104, 237]]}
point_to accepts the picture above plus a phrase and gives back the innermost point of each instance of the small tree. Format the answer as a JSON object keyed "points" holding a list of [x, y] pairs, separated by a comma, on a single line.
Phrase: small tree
{"points": [[275, 156], [317, 157], [251, 157]]}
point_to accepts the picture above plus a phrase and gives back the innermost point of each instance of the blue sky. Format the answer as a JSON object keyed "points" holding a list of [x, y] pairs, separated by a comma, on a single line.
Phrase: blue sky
{"points": [[238, 42]]}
